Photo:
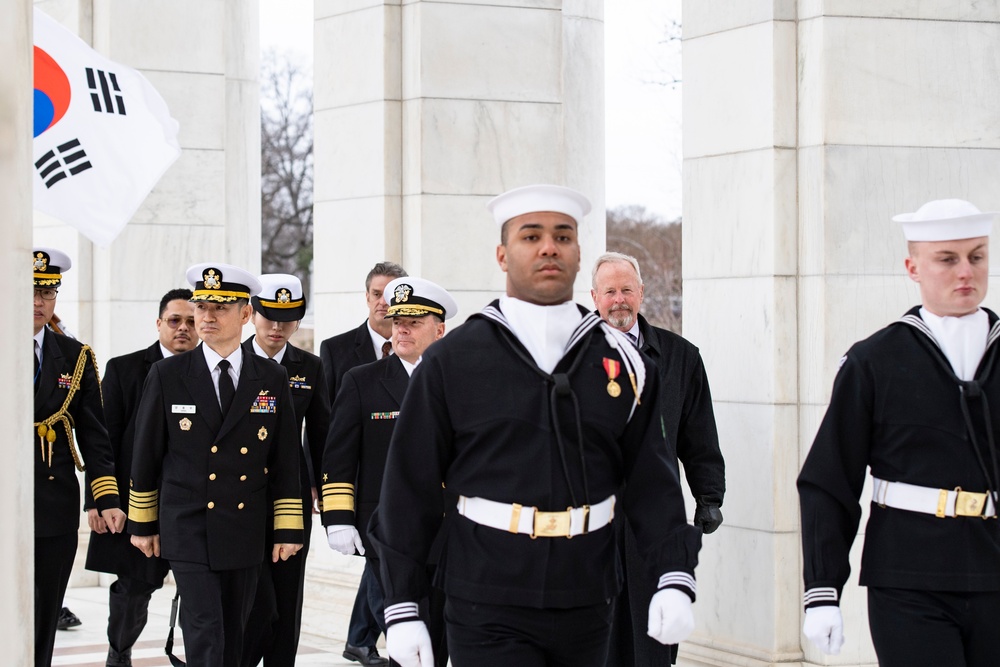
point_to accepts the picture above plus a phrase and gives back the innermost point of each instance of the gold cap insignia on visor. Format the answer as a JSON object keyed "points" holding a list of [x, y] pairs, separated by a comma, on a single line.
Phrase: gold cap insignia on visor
{"points": [[212, 279], [284, 296], [403, 292], [40, 262]]}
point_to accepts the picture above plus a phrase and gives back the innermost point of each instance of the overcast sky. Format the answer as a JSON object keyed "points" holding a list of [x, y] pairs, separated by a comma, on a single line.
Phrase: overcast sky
{"points": [[643, 139]]}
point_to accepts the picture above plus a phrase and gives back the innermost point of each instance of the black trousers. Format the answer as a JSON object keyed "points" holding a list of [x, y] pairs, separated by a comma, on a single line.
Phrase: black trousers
{"points": [[364, 627], [53, 565], [272, 630], [932, 628], [128, 609], [484, 635], [215, 605]]}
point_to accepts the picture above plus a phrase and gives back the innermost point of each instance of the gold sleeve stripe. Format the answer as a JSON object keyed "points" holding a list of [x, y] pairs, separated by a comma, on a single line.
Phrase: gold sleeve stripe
{"points": [[143, 506], [104, 486], [333, 503], [288, 514], [337, 486]]}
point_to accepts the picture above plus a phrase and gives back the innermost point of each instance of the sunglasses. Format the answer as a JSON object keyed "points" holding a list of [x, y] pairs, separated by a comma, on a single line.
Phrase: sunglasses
{"points": [[174, 321]]}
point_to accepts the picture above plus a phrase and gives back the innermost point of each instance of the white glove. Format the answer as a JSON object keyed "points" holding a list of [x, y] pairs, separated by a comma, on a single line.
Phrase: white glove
{"points": [[409, 644], [345, 539], [671, 618], [824, 626]]}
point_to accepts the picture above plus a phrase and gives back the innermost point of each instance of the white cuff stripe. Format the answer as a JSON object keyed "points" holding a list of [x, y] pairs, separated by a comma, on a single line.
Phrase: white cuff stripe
{"points": [[827, 594], [678, 579], [401, 611]]}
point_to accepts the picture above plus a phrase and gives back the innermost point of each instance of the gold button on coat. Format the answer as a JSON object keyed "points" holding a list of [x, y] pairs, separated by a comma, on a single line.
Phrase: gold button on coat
{"points": [[212, 476], [243, 478], [214, 449], [243, 450], [210, 504], [240, 506]]}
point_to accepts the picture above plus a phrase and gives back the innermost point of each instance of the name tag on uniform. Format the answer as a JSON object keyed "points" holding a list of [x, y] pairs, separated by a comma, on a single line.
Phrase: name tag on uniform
{"points": [[385, 415], [183, 409]]}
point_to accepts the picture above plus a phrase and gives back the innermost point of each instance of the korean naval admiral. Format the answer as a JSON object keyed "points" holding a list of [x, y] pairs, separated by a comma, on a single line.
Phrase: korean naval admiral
{"points": [[216, 453]]}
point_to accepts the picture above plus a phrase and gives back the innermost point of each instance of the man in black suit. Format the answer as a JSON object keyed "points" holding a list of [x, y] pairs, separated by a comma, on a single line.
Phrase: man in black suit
{"points": [[689, 423], [364, 417], [272, 631], [363, 345], [216, 453], [67, 399], [138, 576]]}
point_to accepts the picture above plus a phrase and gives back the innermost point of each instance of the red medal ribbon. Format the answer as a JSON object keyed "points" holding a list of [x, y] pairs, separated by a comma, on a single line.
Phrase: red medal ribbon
{"points": [[613, 367]]}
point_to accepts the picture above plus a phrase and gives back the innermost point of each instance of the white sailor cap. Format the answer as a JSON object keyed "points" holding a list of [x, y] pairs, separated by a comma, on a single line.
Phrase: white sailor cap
{"points": [[280, 298], [410, 296], [538, 198], [221, 283], [945, 220], [47, 265]]}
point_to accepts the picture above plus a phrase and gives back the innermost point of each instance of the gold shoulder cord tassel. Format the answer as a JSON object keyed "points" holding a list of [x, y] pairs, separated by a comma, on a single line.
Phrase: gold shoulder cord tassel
{"points": [[46, 428]]}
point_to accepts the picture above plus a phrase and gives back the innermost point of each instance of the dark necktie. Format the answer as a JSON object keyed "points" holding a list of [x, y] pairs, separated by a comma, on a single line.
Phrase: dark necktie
{"points": [[386, 349], [632, 337], [226, 389]]}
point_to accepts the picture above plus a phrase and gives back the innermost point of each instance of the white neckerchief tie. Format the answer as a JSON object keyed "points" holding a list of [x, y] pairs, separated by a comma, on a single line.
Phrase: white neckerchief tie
{"points": [[962, 339], [543, 330]]}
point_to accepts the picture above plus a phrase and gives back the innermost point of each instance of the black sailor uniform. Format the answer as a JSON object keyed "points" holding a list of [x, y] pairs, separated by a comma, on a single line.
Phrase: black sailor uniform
{"points": [[483, 420], [898, 408]]}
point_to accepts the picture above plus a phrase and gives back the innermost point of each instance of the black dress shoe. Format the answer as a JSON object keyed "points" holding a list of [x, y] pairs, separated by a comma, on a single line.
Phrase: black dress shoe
{"points": [[119, 659], [67, 619], [366, 655]]}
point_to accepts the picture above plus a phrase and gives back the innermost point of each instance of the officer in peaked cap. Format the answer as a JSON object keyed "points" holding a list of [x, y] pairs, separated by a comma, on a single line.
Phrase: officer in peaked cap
{"points": [[272, 631], [916, 403], [67, 400], [364, 418], [216, 457], [536, 416]]}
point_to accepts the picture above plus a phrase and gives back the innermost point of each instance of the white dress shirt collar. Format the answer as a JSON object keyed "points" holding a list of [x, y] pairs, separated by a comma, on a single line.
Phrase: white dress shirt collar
{"points": [[260, 352]]}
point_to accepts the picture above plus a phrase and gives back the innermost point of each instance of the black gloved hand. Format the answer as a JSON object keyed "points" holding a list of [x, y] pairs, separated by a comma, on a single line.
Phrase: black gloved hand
{"points": [[707, 516]]}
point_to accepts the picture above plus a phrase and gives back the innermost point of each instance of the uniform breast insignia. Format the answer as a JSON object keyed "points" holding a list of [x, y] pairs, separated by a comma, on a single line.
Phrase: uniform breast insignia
{"points": [[65, 381], [385, 415], [264, 403], [262, 434], [298, 382], [185, 424], [613, 368]]}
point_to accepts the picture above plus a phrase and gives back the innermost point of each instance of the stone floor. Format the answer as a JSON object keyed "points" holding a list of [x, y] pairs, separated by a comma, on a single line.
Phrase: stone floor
{"points": [[331, 583]]}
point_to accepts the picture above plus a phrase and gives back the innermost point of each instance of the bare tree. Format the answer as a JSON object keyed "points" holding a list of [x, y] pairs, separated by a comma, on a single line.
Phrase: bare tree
{"points": [[286, 145], [656, 243]]}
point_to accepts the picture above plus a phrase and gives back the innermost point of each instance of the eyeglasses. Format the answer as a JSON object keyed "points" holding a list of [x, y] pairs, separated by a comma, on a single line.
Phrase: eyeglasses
{"points": [[174, 321], [48, 294]]}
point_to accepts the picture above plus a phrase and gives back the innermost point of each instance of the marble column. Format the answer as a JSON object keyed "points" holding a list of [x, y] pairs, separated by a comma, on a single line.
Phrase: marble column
{"points": [[807, 126], [426, 110], [18, 444], [203, 58]]}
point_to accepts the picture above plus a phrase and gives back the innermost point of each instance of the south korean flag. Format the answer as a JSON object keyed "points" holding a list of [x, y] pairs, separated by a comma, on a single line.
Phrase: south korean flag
{"points": [[103, 135]]}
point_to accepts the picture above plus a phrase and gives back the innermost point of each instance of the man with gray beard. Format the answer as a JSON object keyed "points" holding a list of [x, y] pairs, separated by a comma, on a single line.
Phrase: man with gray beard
{"points": [[689, 423]]}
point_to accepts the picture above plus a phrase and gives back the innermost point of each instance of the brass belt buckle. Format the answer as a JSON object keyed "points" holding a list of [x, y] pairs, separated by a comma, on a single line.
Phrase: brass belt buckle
{"points": [[969, 504], [551, 524]]}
